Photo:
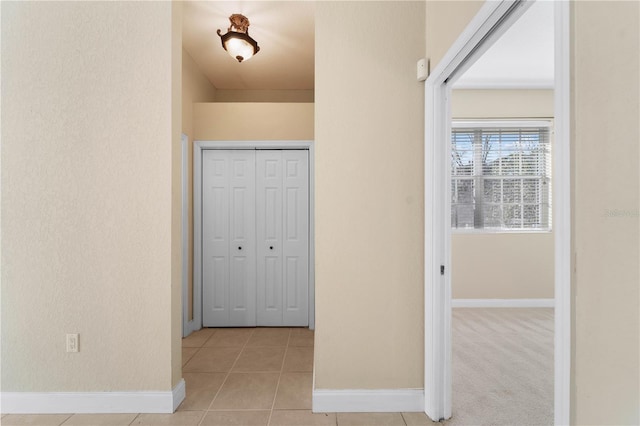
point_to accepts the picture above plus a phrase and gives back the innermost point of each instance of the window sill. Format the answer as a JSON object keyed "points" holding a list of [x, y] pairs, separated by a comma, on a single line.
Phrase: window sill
{"points": [[501, 231]]}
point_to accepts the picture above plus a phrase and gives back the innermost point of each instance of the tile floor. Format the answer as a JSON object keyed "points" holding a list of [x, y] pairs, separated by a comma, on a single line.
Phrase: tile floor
{"points": [[241, 376]]}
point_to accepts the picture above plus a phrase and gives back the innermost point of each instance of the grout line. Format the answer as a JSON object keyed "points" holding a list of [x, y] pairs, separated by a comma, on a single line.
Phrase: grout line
{"points": [[190, 358], [134, 419], [275, 395], [227, 376], [215, 331], [194, 347], [198, 348], [222, 410], [63, 422]]}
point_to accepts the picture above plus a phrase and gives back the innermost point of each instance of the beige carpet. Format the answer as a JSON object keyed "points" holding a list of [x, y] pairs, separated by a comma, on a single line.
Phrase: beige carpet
{"points": [[502, 366]]}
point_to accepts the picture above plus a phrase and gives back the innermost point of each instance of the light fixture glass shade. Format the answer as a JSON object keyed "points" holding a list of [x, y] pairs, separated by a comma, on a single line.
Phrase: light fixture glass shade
{"points": [[239, 46], [237, 41]]}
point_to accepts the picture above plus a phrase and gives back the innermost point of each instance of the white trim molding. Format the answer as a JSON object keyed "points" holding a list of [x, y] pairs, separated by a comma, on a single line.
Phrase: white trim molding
{"points": [[501, 84], [178, 394], [93, 402], [187, 325], [368, 400], [502, 303], [562, 170], [500, 123]]}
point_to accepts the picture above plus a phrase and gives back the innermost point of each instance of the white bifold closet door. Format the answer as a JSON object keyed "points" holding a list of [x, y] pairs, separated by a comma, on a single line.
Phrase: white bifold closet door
{"points": [[228, 238], [282, 209], [255, 238]]}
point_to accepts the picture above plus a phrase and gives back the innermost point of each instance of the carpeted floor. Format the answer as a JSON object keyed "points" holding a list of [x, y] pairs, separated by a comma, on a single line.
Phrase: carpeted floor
{"points": [[502, 366]]}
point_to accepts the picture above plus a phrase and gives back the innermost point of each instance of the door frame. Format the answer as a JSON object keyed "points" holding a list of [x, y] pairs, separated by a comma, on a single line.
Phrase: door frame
{"points": [[491, 21], [187, 324], [198, 147]]}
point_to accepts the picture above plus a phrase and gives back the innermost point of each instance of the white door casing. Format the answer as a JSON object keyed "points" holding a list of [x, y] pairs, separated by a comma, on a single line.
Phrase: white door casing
{"points": [[187, 323]]}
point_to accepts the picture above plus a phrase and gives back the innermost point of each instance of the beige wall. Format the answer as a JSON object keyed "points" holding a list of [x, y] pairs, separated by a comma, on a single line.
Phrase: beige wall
{"points": [[264, 96], [503, 103], [195, 88], [606, 185], [369, 196], [176, 193], [86, 196], [445, 20], [502, 265], [253, 121]]}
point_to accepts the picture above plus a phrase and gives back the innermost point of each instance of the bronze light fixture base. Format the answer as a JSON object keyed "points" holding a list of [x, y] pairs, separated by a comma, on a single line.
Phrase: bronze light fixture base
{"points": [[237, 41]]}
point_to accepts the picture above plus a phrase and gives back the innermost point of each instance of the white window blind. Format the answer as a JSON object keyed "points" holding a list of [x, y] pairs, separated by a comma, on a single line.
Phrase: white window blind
{"points": [[501, 176]]}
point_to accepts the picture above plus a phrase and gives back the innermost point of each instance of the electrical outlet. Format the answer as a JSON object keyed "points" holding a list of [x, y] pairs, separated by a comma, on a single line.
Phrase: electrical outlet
{"points": [[73, 342]]}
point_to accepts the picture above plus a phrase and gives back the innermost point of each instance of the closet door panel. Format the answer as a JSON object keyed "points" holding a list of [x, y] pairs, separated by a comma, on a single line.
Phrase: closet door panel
{"points": [[228, 238], [215, 238], [269, 237], [282, 237], [242, 279], [295, 244]]}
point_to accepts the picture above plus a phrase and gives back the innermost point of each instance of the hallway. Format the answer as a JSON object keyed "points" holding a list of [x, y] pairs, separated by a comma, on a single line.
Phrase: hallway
{"points": [[245, 373], [261, 376]]}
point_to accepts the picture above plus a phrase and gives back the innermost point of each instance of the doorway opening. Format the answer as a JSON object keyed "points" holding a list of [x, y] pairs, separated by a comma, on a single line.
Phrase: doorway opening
{"points": [[502, 261], [248, 373], [490, 23]]}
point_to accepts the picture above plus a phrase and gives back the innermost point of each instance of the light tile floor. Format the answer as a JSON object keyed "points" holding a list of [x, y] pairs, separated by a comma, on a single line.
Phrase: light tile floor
{"points": [[239, 376]]}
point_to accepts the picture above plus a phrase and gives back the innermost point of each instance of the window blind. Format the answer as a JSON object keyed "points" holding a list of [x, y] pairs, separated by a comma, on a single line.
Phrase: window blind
{"points": [[501, 177]]}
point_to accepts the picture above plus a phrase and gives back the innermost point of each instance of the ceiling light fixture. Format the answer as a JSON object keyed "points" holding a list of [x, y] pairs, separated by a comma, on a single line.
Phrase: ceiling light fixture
{"points": [[237, 41]]}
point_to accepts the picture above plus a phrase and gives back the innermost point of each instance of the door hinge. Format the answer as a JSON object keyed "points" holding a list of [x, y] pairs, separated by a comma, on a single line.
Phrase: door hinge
{"points": [[441, 269]]}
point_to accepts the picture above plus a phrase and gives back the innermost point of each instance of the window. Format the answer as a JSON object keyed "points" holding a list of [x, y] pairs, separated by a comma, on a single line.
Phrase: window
{"points": [[500, 175]]}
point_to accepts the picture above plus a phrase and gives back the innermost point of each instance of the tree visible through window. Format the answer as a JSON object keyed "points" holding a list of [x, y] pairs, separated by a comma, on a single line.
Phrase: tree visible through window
{"points": [[500, 176]]}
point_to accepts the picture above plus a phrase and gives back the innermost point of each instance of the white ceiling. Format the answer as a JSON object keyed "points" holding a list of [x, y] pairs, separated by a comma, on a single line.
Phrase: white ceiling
{"points": [[284, 31], [522, 58]]}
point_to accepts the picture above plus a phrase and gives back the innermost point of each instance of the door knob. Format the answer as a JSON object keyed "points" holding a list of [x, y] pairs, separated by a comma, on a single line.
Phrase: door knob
{"points": [[270, 247], [239, 247]]}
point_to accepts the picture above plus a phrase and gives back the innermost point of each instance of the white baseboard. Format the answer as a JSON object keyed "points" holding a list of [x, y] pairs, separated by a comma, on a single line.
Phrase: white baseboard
{"points": [[367, 401], [92, 402], [502, 303], [178, 394]]}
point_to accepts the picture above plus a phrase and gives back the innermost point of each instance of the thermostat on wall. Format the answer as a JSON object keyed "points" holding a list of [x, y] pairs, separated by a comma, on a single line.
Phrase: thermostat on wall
{"points": [[423, 69]]}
